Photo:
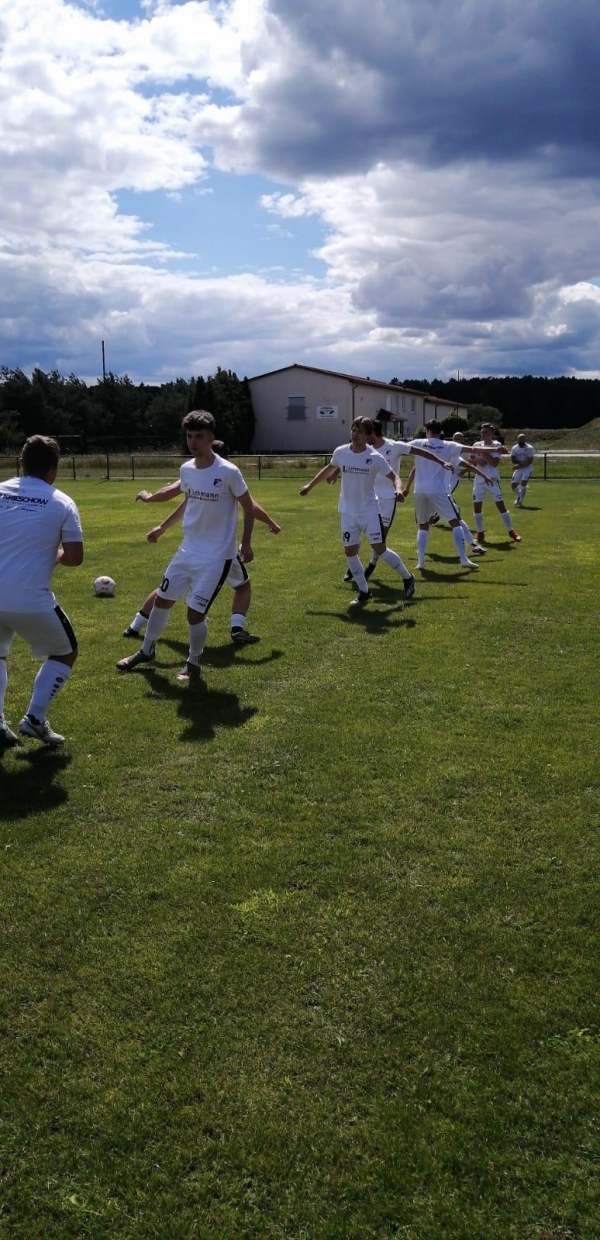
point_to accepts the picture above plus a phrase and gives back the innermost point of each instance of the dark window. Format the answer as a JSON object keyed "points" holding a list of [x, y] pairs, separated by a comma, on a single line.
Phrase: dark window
{"points": [[296, 408]]}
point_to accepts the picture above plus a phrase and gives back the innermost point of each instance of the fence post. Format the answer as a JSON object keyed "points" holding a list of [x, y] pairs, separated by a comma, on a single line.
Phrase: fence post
{"points": [[259, 469], [74, 474], [545, 460], [107, 466], [132, 469]]}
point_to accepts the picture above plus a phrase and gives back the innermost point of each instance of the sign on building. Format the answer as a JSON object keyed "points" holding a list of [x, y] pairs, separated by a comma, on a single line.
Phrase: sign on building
{"points": [[327, 411]]}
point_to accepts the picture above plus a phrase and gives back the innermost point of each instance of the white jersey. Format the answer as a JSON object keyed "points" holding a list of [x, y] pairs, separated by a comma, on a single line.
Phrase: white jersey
{"points": [[489, 464], [358, 473], [35, 518], [391, 450], [430, 478], [210, 516], [521, 456]]}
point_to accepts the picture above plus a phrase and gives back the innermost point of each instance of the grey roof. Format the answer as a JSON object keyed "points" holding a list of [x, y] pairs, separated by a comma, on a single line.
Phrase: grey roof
{"points": [[377, 383]]}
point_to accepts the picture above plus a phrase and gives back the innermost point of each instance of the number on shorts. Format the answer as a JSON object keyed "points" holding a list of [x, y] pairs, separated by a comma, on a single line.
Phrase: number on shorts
{"points": [[164, 585]]}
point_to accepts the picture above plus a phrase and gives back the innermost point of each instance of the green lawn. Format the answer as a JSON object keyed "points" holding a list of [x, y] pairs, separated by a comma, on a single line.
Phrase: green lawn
{"points": [[311, 951]]}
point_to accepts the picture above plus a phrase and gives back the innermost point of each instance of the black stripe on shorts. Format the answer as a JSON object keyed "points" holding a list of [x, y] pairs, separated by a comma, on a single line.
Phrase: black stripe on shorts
{"points": [[219, 585], [243, 567], [67, 626]]}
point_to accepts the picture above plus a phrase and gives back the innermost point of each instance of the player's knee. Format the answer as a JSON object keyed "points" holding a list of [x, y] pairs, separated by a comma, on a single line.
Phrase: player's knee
{"points": [[195, 617]]}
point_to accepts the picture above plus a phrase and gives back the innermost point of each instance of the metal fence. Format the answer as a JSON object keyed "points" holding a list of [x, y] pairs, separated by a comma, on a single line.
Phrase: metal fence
{"points": [[141, 467]]}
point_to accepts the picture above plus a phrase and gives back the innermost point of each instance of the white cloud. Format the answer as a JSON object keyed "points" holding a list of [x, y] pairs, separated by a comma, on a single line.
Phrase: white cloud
{"points": [[454, 176]]}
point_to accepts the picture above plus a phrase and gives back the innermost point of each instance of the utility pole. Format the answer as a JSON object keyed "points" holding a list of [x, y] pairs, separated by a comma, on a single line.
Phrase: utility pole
{"points": [[103, 364]]}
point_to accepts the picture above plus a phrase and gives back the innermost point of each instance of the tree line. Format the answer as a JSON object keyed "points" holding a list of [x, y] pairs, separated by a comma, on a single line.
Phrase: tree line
{"points": [[521, 401], [114, 414]]}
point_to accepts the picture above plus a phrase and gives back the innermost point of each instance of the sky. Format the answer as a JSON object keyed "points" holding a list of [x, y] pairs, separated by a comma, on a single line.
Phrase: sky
{"points": [[390, 188]]}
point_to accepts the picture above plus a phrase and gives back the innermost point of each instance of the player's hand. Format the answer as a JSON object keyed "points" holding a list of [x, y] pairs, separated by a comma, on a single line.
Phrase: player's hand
{"points": [[274, 528], [305, 489], [246, 552], [155, 534], [447, 465], [144, 496], [332, 480], [400, 497], [488, 481]]}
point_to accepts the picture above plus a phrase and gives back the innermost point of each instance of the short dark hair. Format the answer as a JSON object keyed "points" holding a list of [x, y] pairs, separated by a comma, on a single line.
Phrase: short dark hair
{"points": [[377, 426], [365, 424], [220, 448], [39, 455], [433, 425], [199, 420]]}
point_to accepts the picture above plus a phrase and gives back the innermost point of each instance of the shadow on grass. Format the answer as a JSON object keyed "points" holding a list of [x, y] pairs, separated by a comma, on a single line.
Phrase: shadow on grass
{"points": [[204, 710], [30, 790], [376, 622], [222, 656]]}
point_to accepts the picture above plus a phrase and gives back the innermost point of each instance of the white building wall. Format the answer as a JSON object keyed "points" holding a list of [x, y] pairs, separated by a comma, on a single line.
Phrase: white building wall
{"points": [[279, 399]]}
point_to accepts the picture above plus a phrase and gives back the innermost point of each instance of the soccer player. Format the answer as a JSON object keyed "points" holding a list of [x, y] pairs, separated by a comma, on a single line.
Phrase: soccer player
{"points": [[522, 456], [241, 593], [392, 450], [360, 465], [431, 492], [207, 557], [489, 450], [39, 527], [459, 468]]}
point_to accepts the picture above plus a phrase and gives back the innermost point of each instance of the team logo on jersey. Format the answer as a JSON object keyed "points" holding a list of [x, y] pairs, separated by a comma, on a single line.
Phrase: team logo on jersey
{"points": [[217, 482]]}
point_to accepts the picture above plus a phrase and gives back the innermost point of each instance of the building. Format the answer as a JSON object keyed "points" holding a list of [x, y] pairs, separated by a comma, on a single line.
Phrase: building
{"points": [[305, 409]]}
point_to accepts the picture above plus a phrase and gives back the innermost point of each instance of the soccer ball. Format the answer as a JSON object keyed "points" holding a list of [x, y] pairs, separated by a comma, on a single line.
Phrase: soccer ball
{"points": [[104, 587]]}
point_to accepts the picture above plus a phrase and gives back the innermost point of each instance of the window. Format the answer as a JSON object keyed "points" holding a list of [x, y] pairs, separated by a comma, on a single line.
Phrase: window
{"points": [[296, 408]]}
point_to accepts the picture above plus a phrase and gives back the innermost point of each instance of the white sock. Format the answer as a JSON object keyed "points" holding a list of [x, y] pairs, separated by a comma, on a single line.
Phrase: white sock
{"points": [[138, 622], [479, 526], [467, 534], [506, 517], [358, 572], [159, 619], [459, 539], [48, 682], [521, 494], [3, 684], [237, 620], [422, 540], [393, 559], [198, 634]]}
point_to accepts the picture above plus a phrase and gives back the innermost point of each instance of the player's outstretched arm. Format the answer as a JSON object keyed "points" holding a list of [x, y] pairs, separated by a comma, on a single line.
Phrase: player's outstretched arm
{"points": [[157, 497], [429, 456], [70, 555], [247, 506], [476, 470], [323, 473], [172, 519], [409, 482], [261, 515], [398, 492]]}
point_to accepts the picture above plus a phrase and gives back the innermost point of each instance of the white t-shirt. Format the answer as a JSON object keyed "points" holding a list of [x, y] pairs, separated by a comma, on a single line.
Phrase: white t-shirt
{"points": [[432, 479], [358, 473], [489, 464], [391, 451], [521, 456], [210, 517], [35, 518]]}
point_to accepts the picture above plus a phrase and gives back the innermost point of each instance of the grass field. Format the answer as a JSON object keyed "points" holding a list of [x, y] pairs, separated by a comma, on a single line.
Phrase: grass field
{"points": [[311, 951]]}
